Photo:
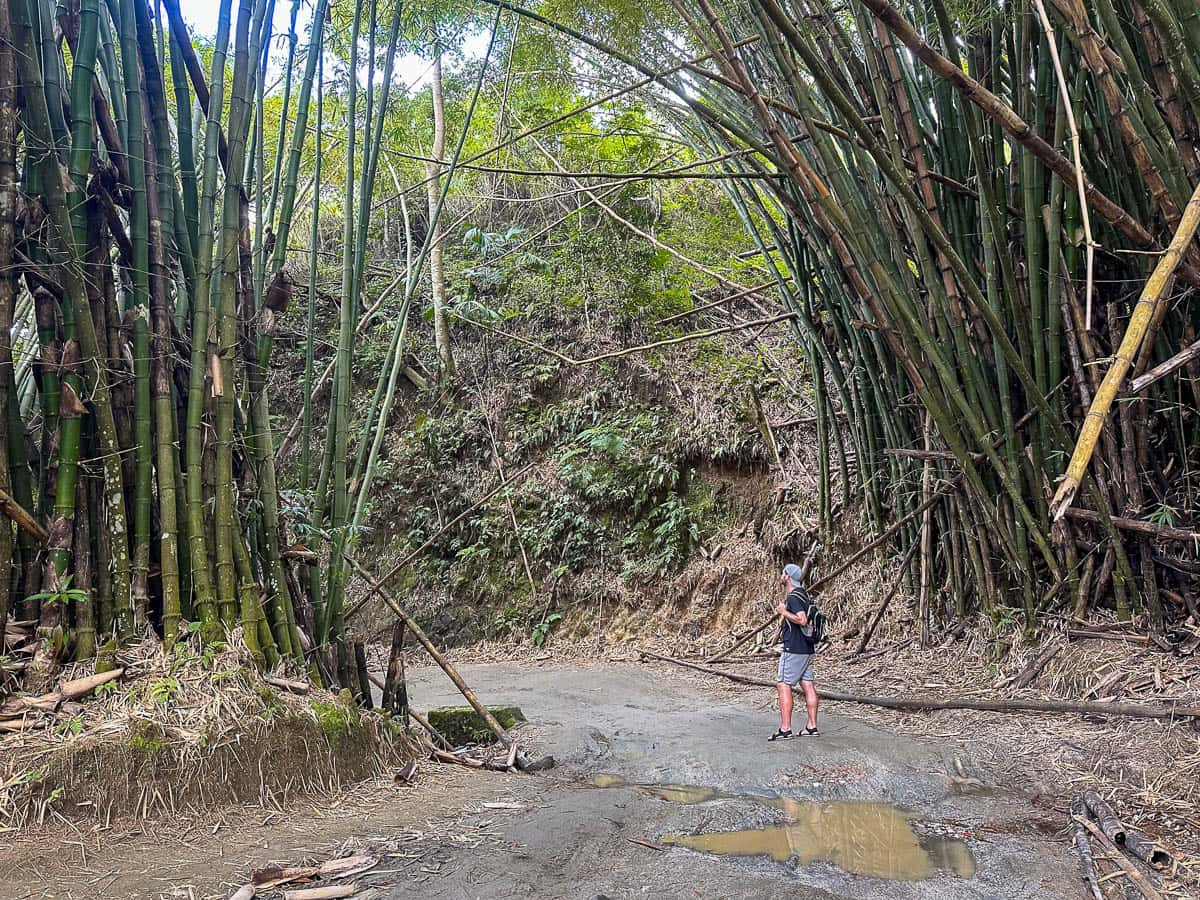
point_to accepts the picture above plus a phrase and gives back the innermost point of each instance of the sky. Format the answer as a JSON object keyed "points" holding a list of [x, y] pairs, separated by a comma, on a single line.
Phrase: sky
{"points": [[411, 70]]}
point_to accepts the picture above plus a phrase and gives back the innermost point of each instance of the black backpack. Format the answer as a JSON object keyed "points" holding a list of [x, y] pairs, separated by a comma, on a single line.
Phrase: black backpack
{"points": [[820, 631], [817, 621]]}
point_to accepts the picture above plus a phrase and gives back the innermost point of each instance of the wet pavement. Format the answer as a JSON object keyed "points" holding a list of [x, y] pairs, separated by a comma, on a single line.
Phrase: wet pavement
{"points": [[667, 787]]}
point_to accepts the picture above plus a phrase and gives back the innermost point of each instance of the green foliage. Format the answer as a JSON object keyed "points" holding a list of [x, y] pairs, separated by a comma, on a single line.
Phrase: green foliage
{"points": [[64, 596], [164, 691], [624, 469], [541, 631], [147, 738], [1163, 515]]}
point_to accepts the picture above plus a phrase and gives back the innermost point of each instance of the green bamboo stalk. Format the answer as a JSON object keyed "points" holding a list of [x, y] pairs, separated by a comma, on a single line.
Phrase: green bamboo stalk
{"points": [[9, 428], [246, 56], [337, 435], [160, 195], [311, 320], [71, 409], [39, 138], [138, 305], [318, 24], [187, 160], [201, 562]]}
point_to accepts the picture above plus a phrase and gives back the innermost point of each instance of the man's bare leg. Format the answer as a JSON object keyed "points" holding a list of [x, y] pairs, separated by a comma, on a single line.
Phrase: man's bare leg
{"points": [[811, 702], [785, 707]]}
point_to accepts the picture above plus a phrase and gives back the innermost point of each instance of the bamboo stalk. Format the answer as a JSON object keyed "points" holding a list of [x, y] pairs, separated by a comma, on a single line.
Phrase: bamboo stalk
{"points": [[926, 704], [1151, 297]]}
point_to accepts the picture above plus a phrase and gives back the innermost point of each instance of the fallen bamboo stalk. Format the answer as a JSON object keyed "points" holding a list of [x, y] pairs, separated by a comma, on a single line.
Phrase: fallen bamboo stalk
{"points": [[1083, 634], [292, 687], [921, 704], [1110, 823], [1149, 301], [1128, 839], [1163, 369], [1083, 849], [70, 690], [1027, 677], [24, 519], [1139, 880], [333, 892], [445, 665], [1161, 532], [451, 757]]}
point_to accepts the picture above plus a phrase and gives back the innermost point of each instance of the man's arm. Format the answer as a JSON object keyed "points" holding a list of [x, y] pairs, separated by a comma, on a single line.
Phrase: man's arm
{"points": [[798, 618]]}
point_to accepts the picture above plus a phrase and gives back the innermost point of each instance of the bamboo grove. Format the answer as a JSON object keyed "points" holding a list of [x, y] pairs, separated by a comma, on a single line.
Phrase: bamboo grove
{"points": [[978, 218], [962, 205], [144, 233]]}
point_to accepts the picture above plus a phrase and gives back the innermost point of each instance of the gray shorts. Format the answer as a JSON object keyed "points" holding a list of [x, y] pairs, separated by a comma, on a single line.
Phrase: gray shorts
{"points": [[794, 667]]}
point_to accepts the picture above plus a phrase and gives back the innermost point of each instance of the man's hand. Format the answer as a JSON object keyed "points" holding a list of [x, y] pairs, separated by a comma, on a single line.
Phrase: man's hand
{"points": [[782, 609]]}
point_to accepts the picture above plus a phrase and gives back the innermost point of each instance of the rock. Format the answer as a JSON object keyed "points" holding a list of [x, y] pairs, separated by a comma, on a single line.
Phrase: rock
{"points": [[461, 725]]}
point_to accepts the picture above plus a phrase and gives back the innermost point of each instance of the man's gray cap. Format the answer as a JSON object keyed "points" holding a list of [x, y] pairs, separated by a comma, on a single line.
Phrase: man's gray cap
{"points": [[794, 573]]}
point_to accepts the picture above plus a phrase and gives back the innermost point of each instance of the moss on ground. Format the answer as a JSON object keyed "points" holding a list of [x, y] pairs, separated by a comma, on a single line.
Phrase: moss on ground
{"points": [[339, 720], [461, 725]]}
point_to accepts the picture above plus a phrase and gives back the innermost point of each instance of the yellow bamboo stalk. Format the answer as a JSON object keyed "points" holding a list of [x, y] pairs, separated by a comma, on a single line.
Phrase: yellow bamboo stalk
{"points": [[1106, 393]]}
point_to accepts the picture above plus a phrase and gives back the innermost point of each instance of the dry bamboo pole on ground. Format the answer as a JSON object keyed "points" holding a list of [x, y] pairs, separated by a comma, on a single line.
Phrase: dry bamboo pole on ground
{"points": [[923, 704], [1083, 849], [1139, 880], [443, 663]]}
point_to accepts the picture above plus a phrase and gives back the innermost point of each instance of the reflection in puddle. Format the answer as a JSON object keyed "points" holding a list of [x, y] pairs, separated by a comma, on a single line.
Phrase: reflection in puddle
{"points": [[683, 793], [672, 793], [872, 839], [862, 838]]}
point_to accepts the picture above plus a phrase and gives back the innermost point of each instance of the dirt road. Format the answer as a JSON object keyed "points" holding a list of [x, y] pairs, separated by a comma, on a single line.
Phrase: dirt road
{"points": [[665, 787]]}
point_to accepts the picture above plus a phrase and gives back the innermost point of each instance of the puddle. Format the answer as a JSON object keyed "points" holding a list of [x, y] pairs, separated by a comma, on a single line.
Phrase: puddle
{"points": [[872, 839]]}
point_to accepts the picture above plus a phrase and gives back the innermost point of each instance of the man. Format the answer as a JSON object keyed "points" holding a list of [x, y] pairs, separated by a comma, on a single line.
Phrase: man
{"points": [[795, 663]]}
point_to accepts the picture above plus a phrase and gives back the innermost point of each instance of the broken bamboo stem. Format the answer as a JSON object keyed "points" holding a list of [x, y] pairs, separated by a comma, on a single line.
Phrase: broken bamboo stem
{"points": [[24, 519], [922, 704], [445, 665], [1139, 880], [1160, 532], [1083, 849], [1106, 393], [1163, 369]]}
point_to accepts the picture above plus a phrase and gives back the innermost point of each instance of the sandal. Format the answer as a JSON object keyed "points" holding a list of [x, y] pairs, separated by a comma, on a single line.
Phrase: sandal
{"points": [[810, 732], [781, 735]]}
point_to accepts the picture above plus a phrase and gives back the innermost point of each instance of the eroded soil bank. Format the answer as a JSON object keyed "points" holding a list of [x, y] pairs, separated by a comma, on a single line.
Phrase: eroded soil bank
{"points": [[666, 787]]}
